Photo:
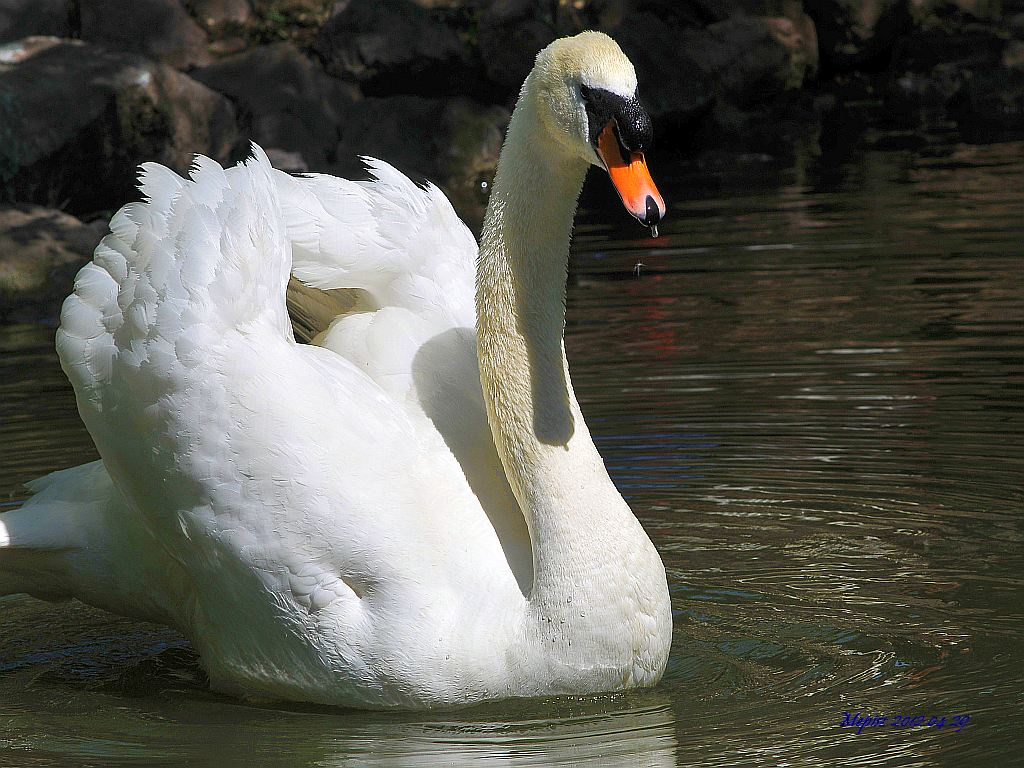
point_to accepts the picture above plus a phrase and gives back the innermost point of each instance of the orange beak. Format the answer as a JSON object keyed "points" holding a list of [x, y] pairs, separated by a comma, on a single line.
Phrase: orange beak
{"points": [[631, 178]]}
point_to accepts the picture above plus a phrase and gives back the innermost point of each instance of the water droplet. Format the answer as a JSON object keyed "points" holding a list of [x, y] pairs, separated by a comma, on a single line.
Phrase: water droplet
{"points": [[654, 230]]}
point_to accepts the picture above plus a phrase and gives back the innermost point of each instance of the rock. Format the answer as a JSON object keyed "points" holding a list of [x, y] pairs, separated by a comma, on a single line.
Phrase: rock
{"points": [[21, 18], [297, 21], [76, 119], [686, 13], [286, 102], [399, 129], [919, 99], [216, 15], [228, 22], [471, 136], [799, 37], [1013, 55], [672, 85], [972, 45], [742, 61], [395, 46], [454, 143], [510, 34], [575, 16], [989, 10], [704, 12], [283, 160], [858, 33], [298, 10], [159, 29], [41, 250], [990, 105], [26, 48]]}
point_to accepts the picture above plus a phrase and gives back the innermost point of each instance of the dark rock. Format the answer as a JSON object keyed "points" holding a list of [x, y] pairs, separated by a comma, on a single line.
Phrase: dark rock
{"points": [[21, 18], [1013, 55], [972, 45], [285, 101], [510, 34], [784, 128], [40, 251], [704, 12], [228, 45], [216, 15], [297, 21], [467, 158], [858, 33], [159, 29], [392, 47], [399, 129], [740, 62], [672, 85], [925, 11], [918, 100], [297, 10], [292, 162], [454, 143], [76, 119], [578, 15], [679, 13], [990, 105], [751, 59], [229, 23], [1016, 25]]}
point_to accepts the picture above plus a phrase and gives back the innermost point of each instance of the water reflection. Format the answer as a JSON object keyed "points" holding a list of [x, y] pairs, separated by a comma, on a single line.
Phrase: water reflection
{"points": [[810, 394], [608, 738], [165, 716]]}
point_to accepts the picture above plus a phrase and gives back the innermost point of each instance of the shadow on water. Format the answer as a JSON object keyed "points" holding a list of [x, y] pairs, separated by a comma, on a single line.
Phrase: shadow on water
{"points": [[810, 393]]}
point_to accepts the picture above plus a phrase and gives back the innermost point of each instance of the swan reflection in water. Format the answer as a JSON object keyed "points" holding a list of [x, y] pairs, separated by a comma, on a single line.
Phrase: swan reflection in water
{"points": [[57, 710], [640, 736]]}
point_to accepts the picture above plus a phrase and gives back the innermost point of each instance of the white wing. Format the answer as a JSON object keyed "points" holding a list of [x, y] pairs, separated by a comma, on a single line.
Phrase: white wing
{"points": [[281, 478], [403, 246], [414, 332]]}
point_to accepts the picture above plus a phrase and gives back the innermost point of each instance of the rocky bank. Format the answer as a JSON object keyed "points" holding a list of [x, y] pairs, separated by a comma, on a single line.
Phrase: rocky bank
{"points": [[91, 88]]}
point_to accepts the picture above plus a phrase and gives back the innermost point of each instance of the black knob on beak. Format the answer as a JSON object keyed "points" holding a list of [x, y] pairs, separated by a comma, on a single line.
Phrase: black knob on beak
{"points": [[653, 215]]}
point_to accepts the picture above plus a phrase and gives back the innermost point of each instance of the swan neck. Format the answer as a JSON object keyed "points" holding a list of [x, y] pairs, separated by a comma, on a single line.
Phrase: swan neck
{"points": [[521, 280], [548, 454]]}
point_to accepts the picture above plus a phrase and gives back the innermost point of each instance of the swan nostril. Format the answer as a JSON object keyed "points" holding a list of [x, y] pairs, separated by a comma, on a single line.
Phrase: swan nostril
{"points": [[653, 214]]}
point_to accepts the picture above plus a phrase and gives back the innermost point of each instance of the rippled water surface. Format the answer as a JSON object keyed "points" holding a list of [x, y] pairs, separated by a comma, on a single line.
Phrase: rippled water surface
{"points": [[809, 388]]}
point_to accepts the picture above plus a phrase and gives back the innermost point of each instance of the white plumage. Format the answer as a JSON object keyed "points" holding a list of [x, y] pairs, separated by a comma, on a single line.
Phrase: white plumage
{"points": [[335, 523]]}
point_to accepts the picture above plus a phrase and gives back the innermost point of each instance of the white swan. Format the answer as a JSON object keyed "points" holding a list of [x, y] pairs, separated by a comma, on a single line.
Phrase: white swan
{"points": [[339, 524]]}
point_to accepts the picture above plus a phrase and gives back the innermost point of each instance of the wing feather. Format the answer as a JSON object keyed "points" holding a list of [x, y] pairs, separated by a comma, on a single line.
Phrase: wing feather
{"points": [[279, 478], [405, 248]]}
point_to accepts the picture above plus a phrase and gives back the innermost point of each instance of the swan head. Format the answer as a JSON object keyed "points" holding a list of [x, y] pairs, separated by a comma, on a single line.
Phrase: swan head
{"points": [[585, 92]]}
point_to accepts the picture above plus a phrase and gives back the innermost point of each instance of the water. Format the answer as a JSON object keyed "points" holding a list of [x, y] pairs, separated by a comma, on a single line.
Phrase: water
{"points": [[808, 388]]}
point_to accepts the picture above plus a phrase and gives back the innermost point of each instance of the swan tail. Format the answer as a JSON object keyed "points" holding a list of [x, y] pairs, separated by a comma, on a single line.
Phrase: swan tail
{"points": [[38, 539], [75, 538], [33, 570]]}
